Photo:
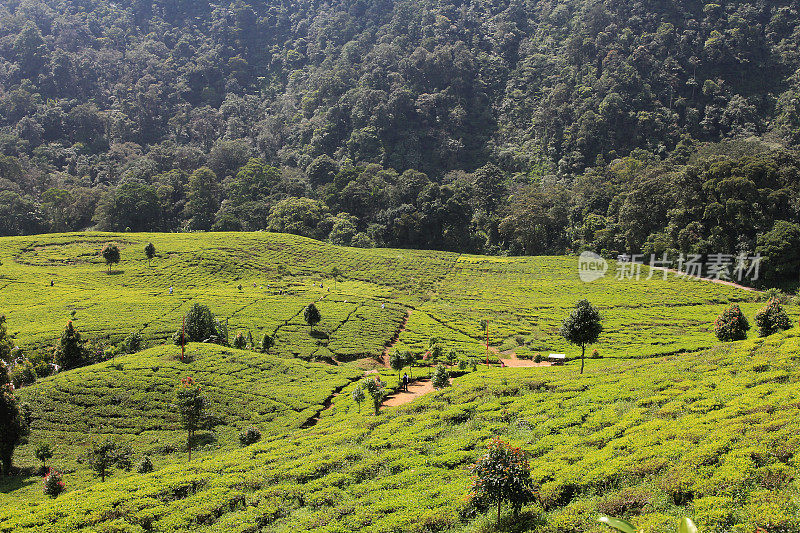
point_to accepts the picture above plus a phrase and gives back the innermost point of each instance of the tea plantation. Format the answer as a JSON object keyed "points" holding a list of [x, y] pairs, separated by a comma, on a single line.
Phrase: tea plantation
{"points": [[668, 423]]}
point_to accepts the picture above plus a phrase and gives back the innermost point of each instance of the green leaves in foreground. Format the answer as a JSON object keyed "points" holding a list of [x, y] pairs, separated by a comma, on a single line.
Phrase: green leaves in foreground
{"points": [[685, 526]]}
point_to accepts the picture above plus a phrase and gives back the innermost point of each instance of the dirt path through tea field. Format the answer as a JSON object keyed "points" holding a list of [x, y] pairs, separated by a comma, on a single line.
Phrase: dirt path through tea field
{"points": [[415, 390]]}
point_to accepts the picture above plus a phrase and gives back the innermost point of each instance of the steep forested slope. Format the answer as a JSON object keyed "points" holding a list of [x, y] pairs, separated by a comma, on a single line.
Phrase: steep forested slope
{"points": [[475, 126]]}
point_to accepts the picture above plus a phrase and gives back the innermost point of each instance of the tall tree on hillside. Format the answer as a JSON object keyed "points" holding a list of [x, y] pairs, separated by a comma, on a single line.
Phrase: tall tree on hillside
{"points": [[15, 420], [312, 316], [150, 252], [70, 352], [111, 254], [583, 326], [202, 199], [190, 403]]}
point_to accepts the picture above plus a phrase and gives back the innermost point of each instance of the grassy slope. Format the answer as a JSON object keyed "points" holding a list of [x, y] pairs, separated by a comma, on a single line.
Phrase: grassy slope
{"points": [[712, 435], [130, 398]]}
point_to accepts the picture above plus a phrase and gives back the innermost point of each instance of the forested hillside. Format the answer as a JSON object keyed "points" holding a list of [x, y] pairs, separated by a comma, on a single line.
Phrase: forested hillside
{"points": [[528, 127]]}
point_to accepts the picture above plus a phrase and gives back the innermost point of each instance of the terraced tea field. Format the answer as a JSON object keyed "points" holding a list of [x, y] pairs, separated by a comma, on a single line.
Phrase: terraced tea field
{"points": [[667, 423], [524, 299], [713, 435]]}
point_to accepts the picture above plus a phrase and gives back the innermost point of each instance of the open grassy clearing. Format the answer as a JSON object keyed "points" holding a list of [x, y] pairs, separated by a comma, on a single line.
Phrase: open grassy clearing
{"points": [[712, 435]]}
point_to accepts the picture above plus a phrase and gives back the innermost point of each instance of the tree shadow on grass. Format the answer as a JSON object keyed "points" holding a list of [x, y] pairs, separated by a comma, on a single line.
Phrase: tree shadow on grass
{"points": [[203, 438], [319, 334], [114, 272], [22, 478]]}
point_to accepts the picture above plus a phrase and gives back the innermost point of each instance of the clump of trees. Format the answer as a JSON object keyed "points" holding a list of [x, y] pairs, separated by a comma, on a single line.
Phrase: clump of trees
{"points": [[502, 474], [582, 327]]}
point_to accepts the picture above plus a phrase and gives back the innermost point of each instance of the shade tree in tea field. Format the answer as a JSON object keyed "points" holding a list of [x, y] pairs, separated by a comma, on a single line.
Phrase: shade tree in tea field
{"points": [[582, 327], [502, 474], [312, 316], [772, 319], [149, 252], [106, 454], [731, 325], [190, 403], [111, 254], [71, 351]]}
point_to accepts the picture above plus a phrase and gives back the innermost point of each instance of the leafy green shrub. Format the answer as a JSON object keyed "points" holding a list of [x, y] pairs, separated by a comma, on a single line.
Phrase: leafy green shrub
{"points": [[133, 342], [595, 354], [23, 373], [267, 342], [771, 319], [731, 325], [537, 358], [200, 325], [502, 474], [358, 396], [145, 466], [240, 341], [106, 454], [53, 485], [376, 392], [249, 436], [44, 452], [440, 378]]}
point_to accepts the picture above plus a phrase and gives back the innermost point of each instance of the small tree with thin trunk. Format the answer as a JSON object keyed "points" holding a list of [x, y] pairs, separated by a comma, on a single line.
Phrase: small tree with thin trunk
{"points": [[150, 252], [70, 352], [105, 455], [440, 378], [111, 254], [44, 452], [397, 361], [190, 404], [312, 316], [376, 392], [359, 396], [502, 474], [410, 360], [582, 327]]}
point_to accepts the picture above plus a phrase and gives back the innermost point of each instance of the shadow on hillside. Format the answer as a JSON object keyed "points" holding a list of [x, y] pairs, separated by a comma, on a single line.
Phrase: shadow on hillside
{"points": [[319, 334], [114, 272], [21, 478], [203, 438]]}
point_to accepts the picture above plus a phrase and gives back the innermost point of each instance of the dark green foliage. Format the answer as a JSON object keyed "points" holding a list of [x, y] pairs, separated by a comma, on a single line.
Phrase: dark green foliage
{"points": [[731, 325], [312, 316], [772, 319], [133, 342], [190, 404], [583, 326], [71, 351], [44, 452], [200, 324], [267, 341], [502, 474], [240, 341], [440, 378], [111, 254], [105, 454], [397, 361], [780, 249], [6, 344], [149, 252], [15, 421], [249, 436], [132, 206]]}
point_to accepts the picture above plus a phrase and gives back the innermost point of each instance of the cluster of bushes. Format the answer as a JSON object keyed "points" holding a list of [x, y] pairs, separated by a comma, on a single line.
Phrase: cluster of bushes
{"points": [[732, 324]]}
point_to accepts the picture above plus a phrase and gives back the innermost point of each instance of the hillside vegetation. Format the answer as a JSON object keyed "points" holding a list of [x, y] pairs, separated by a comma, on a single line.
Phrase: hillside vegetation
{"points": [[712, 435], [477, 127]]}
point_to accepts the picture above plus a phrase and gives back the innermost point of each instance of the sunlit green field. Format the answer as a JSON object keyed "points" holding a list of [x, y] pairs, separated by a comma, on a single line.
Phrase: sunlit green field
{"points": [[668, 423]]}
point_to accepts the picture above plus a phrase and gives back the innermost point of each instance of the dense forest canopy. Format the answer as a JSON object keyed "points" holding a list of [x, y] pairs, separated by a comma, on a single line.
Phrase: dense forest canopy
{"points": [[504, 126]]}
